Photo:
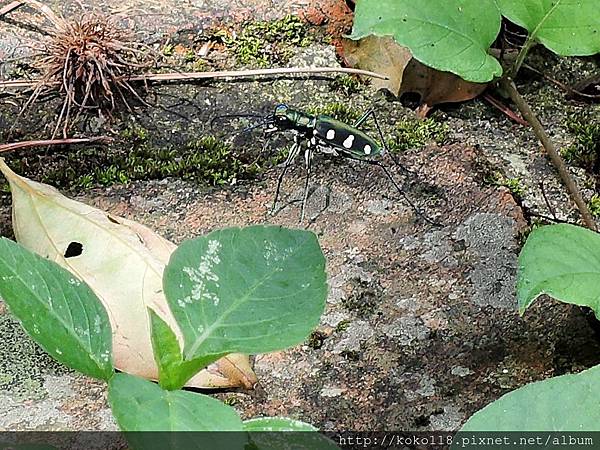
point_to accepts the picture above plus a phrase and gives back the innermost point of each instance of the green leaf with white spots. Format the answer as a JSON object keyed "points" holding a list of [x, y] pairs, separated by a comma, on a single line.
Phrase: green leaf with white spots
{"points": [[173, 371], [565, 403], [249, 290], [447, 35], [141, 405], [567, 27], [562, 261], [59, 312], [275, 433], [277, 424]]}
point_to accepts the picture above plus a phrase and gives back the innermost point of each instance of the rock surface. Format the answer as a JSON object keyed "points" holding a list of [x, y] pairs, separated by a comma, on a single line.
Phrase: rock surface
{"points": [[421, 328]]}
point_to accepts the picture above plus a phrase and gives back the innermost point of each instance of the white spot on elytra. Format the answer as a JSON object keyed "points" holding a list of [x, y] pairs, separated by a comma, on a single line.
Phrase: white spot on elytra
{"points": [[330, 134], [315, 132], [367, 149], [201, 274], [348, 142]]}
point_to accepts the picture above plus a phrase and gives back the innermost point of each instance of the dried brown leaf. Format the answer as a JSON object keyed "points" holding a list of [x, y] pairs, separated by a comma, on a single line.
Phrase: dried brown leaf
{"points": [[406, 74]]}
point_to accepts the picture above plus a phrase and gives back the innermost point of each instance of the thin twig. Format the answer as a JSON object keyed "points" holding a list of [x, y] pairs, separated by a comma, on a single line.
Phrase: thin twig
{"points": [[550, 208], [506, 110], [10, 8], [548, 218], [184, 76], [5, 148], [571, 91], [558, 162]]}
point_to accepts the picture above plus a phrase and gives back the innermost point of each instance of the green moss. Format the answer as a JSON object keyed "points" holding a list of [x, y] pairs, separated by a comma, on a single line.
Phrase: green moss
{"points": [[168, 50], [594, 205], [351, 355], [514, 185], [585, 150], [415, 133], [343, 326], [206, 160], [23, 364], [264, 43], [109, 175], [339, 111], [189, 56], [364, 299], [345, 83], [316, 339], [134, 131], [497, 178], [231, 400]]}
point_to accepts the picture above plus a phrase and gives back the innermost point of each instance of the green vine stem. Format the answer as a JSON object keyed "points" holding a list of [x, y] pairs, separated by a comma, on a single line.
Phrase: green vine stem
{"points": [[521, 57]]}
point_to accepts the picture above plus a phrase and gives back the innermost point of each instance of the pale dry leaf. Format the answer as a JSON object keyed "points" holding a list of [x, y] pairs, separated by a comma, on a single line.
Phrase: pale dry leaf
{"points": [[122, 261]]}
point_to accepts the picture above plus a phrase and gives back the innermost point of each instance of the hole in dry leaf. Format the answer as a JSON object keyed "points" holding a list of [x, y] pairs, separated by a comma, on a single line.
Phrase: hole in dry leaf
{"points": [[74, 249], [113, 220]]}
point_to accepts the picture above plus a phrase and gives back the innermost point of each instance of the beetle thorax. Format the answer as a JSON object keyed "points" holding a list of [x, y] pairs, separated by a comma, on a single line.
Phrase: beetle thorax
{"points": [[290, 119]]}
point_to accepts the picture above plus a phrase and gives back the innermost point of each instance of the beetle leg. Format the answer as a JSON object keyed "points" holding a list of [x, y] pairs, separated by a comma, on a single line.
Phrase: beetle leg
{"points": [[294, 150], [365, 116], [371, 113], [415, 208], [307, 160]]}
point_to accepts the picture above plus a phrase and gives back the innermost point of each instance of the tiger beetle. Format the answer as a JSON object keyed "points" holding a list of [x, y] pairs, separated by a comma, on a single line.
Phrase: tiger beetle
{"points": [[327, 135]]}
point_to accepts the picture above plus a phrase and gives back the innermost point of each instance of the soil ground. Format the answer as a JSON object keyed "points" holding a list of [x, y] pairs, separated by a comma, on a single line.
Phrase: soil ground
{"points": [[421, 328]]}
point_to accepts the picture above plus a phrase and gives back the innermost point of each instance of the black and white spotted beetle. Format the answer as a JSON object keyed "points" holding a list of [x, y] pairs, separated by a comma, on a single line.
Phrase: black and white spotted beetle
{"points": [[326, 135]]}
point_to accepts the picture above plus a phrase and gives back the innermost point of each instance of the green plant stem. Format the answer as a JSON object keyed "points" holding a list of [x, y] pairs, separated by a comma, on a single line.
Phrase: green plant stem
{"points": [[538, 129], [521, 57]]}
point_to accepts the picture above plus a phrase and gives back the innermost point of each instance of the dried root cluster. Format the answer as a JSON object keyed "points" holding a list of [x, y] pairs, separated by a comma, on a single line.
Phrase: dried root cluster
{"points": [[87, 60]]}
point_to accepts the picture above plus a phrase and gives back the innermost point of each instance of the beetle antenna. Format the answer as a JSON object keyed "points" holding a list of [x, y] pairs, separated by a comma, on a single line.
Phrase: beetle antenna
{"points": [[258, 125], [233, 116]]}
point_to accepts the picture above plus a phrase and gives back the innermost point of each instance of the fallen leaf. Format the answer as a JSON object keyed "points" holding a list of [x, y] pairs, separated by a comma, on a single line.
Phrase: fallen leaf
{"points": [[122, 261], [406, 74], [436, 87], [381, 55]]}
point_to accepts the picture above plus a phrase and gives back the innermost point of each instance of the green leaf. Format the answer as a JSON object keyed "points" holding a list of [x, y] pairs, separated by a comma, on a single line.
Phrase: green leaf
{"points": [[562, 261], [141, 405], [172, 369], [567, 27], [59, 312], [565, 403], [448, 35], [274, 433], [250, 290], [277, 424]]}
